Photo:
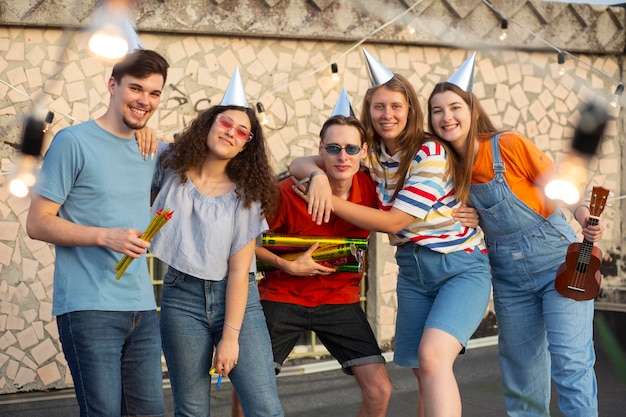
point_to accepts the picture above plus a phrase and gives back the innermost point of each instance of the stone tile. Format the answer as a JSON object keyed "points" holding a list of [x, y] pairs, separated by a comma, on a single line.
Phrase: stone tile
{"points": [[15, 52], [6, 339], [80, 111], [44, 351], [52, 329], [12, 368], [5, 254], [44, 255], [45, 311], [15, 353], [76, 91], [30, 315], [29, 269], [16, 76], [15, 323], [24, 376], [26, 338], [54, 87], [49, 374]]}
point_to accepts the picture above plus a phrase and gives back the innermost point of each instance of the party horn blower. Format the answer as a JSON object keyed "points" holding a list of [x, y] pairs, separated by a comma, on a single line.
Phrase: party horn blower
{"points": [[159, 219], [275, 239]]}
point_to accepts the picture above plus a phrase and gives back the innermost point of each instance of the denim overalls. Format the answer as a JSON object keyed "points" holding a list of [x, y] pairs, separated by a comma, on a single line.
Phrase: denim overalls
{"points": [[541, 333]]}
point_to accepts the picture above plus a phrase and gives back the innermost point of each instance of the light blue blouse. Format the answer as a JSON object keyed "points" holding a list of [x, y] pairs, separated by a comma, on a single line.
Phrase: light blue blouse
{"points": [[204, 231]]}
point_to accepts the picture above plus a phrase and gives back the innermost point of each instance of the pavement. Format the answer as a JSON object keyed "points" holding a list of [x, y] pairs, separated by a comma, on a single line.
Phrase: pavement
{"points": [[321, 389]]}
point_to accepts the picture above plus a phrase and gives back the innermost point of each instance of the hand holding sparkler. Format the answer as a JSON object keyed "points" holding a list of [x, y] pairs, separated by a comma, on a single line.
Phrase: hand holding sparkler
{"points": [[159, 219]]}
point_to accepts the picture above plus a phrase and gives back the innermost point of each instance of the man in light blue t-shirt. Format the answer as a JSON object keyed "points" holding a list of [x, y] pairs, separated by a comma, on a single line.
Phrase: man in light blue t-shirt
{"points": [[93, 202]]}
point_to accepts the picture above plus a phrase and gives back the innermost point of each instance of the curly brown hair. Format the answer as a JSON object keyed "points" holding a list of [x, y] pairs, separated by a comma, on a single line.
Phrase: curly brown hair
{"points": [[250, 169]]}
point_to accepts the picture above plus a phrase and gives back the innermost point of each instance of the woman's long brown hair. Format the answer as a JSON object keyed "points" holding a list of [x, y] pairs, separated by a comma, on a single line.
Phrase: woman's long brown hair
{"points": [[462, 163]]}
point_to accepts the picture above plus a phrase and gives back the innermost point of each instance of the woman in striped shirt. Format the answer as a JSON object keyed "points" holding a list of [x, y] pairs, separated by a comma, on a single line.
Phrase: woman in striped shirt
{"points": [[444, 281]]}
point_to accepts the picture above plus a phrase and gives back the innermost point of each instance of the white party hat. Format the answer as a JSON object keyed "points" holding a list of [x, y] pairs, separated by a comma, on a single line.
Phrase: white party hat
{"points": [[464, 76], [343, 106], [235, 94], [379, 75]]}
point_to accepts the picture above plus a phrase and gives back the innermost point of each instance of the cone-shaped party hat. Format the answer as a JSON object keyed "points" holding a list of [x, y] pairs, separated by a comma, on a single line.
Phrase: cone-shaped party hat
{"points": [[464, 76], [235, 94], [343, 106], [379, 75], [134, 43]]}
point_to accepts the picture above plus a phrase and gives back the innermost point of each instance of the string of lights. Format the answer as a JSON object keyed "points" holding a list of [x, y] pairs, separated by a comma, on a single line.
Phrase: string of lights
{"points": [[332, 63], [619, 89]]}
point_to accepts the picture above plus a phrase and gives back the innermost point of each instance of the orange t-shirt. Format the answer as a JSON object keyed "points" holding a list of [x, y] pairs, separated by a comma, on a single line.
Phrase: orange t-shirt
{"points": [[526, 166]]}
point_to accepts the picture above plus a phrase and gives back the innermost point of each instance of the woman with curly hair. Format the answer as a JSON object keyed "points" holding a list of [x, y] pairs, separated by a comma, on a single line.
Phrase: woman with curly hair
{"points": [[217, 179]]}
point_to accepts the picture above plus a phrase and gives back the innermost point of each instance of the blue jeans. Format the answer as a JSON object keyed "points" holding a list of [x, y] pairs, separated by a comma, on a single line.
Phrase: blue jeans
{"points": [[115, 361], [544, 334], [192, 317]]}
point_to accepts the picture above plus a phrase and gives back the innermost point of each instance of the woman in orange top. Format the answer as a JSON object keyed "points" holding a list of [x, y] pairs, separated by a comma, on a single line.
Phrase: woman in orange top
{"points": [[541, 333]]}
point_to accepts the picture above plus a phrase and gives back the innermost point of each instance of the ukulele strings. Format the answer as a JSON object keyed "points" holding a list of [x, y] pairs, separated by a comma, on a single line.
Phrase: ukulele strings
{"points": [[585, 253]]}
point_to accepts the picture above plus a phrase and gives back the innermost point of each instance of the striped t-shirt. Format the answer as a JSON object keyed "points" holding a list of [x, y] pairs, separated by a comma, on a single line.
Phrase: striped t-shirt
{"points": [[428, 194]]}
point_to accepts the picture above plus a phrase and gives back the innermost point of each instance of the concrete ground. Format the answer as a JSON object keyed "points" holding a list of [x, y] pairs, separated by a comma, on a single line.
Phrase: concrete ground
{"points": [[321, 389]]}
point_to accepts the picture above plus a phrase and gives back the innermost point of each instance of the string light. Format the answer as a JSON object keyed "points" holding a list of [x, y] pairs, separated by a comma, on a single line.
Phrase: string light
{"points": [[580, 61], [504, 25], [570, 176], [261, 110], [335, 71], [561, 61], [619, 90], [30, 149]]}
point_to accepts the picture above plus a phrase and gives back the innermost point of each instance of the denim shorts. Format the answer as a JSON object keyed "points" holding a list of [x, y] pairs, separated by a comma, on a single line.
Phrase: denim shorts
{"points": [[342, 328], [449, 292]]}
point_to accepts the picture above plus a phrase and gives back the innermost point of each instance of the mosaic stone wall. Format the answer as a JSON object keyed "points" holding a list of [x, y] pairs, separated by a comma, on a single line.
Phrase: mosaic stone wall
{"points": [[291, 77]]}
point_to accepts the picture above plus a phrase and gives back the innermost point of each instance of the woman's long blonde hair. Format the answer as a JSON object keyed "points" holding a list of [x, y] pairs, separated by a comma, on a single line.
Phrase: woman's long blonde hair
{"points": [[410, 139]]}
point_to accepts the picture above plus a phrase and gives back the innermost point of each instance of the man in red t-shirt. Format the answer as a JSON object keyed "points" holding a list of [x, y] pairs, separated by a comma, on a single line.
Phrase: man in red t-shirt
{"points": [[303, 295]]}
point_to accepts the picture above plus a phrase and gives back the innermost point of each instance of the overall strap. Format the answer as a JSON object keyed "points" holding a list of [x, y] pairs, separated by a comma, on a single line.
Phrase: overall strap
{"points": [[498, 165]]}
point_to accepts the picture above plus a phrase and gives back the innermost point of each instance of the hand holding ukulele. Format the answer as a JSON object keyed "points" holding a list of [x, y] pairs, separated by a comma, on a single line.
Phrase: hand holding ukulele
{"points": [[579, 276]]}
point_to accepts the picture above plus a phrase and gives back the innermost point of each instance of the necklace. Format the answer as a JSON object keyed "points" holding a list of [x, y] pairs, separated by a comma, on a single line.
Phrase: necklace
{"points": [[210, 192]]}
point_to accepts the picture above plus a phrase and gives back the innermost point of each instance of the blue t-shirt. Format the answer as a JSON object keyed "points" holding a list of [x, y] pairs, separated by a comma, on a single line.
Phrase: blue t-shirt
{"points": [[100, 180]]}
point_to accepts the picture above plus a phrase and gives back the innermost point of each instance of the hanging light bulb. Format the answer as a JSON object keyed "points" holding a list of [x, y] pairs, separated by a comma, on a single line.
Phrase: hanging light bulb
{"points": [[112, 34], [619, 90], [32, 140], [504, 25], [561, 60], [261, 110], [335, 70], [570, 178]]}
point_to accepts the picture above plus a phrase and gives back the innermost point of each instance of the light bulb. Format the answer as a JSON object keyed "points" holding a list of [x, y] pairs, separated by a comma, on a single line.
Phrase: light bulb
{"points": [[32, 139], [569, 180], [570, 177], [261, 110], [113, 36], [504, 25], [24, 176], [619, 90], [561, 61], [335, 71]]}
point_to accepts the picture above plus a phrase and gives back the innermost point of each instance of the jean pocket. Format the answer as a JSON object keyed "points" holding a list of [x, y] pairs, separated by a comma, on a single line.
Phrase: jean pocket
{"points": [[171, 277]]}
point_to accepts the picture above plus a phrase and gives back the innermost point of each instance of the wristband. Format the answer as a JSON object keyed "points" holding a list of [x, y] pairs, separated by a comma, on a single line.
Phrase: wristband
{"points": [[314, 173]]}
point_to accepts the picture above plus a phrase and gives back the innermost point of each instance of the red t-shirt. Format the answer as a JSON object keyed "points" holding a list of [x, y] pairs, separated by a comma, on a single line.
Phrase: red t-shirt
{"points": [[292, 218]]}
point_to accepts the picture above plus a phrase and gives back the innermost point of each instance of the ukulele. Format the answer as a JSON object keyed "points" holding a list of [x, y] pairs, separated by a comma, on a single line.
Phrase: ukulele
{"points": [[579, 276]]}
